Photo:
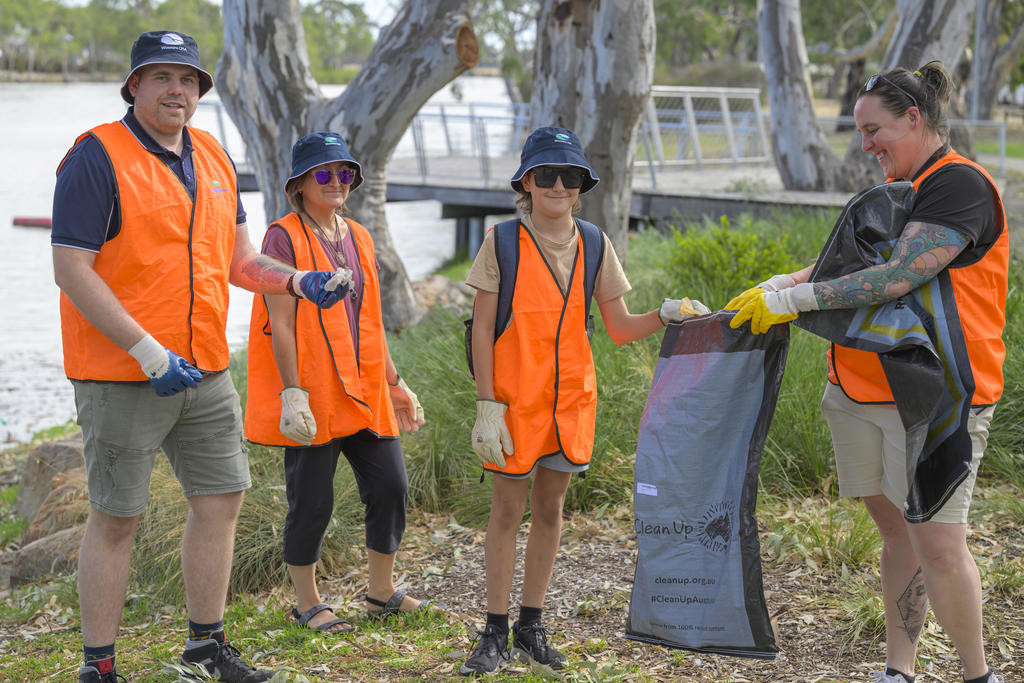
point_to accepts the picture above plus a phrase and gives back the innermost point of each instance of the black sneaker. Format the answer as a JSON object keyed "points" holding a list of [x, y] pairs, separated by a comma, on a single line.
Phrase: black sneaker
{"points": [[531, 643], [223, 660], [90, 674], [490, 654]]}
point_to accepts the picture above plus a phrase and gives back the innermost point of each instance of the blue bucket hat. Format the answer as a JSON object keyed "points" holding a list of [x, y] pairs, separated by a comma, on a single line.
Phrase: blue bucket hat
{"points": [[165, 47], [321, 148], [551, 146]]}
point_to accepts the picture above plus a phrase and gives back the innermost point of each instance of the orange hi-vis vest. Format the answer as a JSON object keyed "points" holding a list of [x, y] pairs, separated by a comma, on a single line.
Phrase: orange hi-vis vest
{"points": [[543, 367], [344, 373], [169, 263], [980, 292]]}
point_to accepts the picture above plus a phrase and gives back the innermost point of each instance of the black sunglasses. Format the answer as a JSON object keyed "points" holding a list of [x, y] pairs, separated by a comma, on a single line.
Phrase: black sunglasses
{"points": [[873, 81], [345, 175], [545, 176]]}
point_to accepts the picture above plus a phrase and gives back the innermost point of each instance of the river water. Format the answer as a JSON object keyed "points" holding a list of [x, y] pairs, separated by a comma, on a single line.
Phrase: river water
{"points": [[41, 122]]}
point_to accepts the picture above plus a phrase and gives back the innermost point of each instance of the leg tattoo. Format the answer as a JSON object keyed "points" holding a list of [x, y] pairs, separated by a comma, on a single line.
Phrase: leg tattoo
{"points": [[913, 606]]}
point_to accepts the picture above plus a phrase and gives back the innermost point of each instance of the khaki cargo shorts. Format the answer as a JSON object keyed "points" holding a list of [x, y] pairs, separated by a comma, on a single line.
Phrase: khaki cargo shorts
{"points": [[871, 452], [125, 423]]}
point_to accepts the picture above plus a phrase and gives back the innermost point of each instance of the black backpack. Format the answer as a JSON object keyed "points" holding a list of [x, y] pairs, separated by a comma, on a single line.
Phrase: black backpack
{"points": [[506, 250]]}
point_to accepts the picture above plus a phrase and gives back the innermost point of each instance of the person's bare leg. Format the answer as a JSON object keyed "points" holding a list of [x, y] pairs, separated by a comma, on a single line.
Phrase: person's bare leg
{"points": [[903, 590], [546, 499], [508, 503], [103, 572], [307, 594], [381, 584], [954, 587], [207, 548]]}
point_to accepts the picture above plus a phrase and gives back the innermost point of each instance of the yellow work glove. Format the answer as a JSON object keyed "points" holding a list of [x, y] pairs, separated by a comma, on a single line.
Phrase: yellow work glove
{"points": [[297, 421], [773, 308], [490, 433], [408, 410], [739, 301], [678, 310]]}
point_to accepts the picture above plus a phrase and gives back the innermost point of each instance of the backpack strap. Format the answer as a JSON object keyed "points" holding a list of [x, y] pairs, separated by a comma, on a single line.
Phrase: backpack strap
{"points": [[506, 251], [593, 255]]}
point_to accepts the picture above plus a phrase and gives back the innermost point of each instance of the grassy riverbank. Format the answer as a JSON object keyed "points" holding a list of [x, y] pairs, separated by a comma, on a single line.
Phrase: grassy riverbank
{"points": [[820, 552]]}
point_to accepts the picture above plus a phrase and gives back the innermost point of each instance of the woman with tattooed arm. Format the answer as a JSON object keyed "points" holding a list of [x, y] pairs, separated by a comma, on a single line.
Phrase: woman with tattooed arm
{"points": [[955, 238]]}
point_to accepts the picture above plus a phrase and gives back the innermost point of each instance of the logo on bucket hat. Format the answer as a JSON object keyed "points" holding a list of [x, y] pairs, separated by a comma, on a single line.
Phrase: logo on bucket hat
{"points": [[552, 146], [165, 47]]}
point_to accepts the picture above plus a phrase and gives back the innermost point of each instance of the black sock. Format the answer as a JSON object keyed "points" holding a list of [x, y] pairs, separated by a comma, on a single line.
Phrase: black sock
{"points": [[204, 631], [896, 672], [529, 616], [980, 679], [102, 658], [498, 621]]}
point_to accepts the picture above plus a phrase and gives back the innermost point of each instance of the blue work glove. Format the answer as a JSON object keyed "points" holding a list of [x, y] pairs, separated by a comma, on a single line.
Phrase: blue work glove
{"points": [[168, 372], [323, 287]]}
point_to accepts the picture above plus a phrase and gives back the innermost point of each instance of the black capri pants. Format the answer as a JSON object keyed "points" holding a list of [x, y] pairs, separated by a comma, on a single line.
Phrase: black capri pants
{"points": [[383, 484]]}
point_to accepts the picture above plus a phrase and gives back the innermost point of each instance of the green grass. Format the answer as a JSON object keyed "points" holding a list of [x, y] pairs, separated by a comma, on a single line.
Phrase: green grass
{"points": [[1014, 149]]}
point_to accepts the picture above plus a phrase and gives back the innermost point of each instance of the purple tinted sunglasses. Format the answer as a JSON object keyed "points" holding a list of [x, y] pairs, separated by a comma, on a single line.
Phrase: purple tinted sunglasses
{"points": [[345, 175]]}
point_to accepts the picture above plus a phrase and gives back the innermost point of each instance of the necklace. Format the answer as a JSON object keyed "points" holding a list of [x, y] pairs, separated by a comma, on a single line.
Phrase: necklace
{"points": [[331, 246]]}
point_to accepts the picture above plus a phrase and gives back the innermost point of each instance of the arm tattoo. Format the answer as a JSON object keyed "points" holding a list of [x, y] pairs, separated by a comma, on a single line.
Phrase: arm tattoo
{"points": [[912, 606], [921, 253], [266, 274]]}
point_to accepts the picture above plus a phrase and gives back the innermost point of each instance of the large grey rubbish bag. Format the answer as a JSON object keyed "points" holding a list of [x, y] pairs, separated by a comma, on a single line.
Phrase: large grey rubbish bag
{"points": [[698, 569]]}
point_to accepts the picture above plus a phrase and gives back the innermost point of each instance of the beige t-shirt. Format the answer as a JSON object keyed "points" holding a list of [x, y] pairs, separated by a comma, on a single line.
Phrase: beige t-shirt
{"points": [[610, 283]]}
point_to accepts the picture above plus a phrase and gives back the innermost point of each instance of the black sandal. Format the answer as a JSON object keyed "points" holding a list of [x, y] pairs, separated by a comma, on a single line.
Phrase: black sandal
{"points": [[327, 626], [393, 605]]}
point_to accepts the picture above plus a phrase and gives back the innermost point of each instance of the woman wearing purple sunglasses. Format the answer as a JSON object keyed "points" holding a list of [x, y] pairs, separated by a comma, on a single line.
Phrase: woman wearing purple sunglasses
{"points": [[325, 385]]}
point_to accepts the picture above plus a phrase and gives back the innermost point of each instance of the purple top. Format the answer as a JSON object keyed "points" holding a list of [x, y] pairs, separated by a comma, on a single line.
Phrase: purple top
{"points": [[278, 245]]}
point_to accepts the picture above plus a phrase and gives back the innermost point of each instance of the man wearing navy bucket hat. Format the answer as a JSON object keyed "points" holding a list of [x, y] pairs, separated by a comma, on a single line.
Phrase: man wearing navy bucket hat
{"points": [[356, 408], [148, 231], [535, 379]]}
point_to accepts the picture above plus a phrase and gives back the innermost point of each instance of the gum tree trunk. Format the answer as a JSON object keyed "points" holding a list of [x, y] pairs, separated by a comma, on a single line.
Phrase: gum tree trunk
{"points": [[595, 65], [801, 151], [994, 61], [267, 86], [927, 30]]}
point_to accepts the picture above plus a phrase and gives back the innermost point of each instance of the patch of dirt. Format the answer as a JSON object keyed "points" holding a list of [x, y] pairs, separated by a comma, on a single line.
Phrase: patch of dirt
{"points": [[588, 602]]}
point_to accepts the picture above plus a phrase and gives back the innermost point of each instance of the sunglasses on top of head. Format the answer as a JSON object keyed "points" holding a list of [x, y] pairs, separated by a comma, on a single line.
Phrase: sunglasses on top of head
{"points": [[345, 175], [545, 176], [873, 81]]}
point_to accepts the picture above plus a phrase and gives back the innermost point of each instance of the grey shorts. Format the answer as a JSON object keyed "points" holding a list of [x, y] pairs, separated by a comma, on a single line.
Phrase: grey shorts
{"points": [[871, 452], [125, 423]]}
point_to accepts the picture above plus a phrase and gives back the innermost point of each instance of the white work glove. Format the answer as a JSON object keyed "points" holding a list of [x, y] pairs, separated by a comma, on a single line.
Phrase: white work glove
{"points": [[408, 410], [777, 282], [678, 310], [792, 300], [297, 421], [490, 433]]}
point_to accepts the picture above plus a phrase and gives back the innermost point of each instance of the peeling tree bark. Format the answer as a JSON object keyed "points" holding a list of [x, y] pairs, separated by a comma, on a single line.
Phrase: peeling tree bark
{"points": [[801, 151], [595, 66], [265, 82], [927, 30], [995, 61]]}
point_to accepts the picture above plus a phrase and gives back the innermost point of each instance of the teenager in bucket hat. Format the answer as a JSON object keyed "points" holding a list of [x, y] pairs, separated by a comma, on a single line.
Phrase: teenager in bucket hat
{"points": [[542, 351], [322, 384], [165, 47], [148, 232]]}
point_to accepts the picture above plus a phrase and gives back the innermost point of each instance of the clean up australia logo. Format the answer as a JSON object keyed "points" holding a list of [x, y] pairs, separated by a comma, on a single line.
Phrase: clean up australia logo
{"points": [[715, 529], [172, 41]]}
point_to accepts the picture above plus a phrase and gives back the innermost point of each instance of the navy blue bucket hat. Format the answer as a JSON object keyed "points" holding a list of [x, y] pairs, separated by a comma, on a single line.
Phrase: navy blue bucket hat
{"points": [[321, 148], [551, 146], [165, 47]]}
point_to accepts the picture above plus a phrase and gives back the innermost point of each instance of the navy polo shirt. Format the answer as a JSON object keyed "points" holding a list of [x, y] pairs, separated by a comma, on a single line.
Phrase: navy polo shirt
{"points": [[86, 211]]}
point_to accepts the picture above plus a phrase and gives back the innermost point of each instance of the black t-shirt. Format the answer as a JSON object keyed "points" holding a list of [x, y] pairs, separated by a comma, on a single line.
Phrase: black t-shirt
{"points": [[958, 196]]}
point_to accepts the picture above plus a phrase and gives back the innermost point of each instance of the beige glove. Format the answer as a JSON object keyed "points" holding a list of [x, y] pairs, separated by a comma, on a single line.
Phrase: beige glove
{"points": [[408, 410], [678, 310], [490, 433], [297, 421]]}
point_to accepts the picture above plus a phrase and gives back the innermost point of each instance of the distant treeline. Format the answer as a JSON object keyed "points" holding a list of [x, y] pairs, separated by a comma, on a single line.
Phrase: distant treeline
{"points": [[52, 37]]}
